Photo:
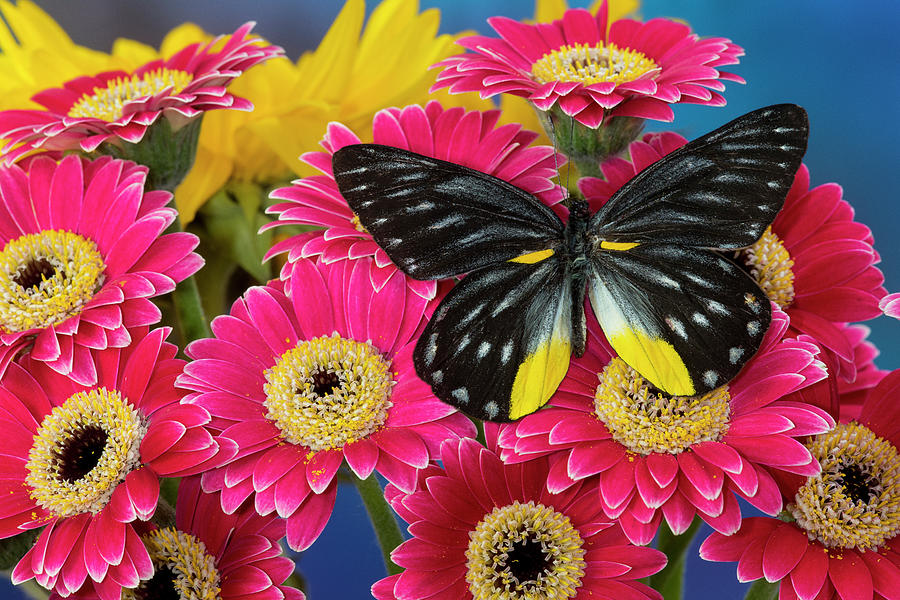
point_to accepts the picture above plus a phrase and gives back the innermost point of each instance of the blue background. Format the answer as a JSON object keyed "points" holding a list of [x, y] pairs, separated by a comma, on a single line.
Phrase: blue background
{"points": [[837, 59]]}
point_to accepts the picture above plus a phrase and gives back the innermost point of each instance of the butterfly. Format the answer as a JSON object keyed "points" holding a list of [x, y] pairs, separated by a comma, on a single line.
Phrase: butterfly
{"points": [[674, 308]]}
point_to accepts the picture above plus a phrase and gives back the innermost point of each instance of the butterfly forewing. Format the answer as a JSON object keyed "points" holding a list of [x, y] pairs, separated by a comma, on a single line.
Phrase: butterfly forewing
{"points": [[499, 344], [686, 319], [437, 219], [719, 191]]}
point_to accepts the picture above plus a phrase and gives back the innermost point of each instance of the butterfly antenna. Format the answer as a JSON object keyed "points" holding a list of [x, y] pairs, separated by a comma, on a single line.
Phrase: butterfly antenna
{"points": [[556, 161]]}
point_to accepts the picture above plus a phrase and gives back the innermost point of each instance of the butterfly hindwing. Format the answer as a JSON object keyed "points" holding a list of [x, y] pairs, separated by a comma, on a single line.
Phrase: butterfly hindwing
{"points": [[437, 219], [499, 344], [719, 191], [686, 319]]}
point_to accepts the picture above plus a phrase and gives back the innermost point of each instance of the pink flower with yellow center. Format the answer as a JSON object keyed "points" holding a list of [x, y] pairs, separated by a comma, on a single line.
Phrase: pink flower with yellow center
{"points": [[468, 138], [82, 254], [659, 456], [84, 462], [815, 262], [592, 69], [117, 106], [211, 555], [484, 529], [838, 539], [306, 381]]}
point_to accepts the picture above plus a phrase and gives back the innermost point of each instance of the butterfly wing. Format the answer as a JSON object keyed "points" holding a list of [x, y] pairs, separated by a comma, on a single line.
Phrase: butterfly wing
{"points": [[686, 319], [437, 219], [719, 191], [499, 344]]}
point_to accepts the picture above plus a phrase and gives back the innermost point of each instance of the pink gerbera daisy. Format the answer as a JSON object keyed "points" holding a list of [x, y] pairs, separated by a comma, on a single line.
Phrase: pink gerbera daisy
{"points": [[815, 261], [592, 69], [85, 461], [117, 106], [210, 555], [81, 256], [482, 529], [890, 304], [468, 138], [840, 536], [302, 381], [676, 457]]}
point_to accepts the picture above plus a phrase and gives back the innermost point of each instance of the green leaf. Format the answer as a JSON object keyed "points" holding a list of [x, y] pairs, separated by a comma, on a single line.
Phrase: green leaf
{"points": [[231, 220], [763, 590], [14, 548], [670, 581]]}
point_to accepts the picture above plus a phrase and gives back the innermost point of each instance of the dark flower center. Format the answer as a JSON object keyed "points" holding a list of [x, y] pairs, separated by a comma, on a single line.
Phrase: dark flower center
{"points": [[857, 483], [80, 453], [160, 587], [324, 383], [35, 271], [526, 560]]}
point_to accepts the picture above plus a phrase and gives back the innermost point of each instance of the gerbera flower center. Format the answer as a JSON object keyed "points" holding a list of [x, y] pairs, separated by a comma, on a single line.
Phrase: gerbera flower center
{"points": [[770, 264], [46, 278], [647, 421], [107, 103], [855, 501], [183, 569], [83, 450], [592, 64], [328, 391], [524, 551]]}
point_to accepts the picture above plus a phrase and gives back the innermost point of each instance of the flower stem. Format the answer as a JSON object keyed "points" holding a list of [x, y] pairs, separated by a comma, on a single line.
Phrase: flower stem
{"points": [[762, 590], [189, 313], [670, 581], [383, 521]]}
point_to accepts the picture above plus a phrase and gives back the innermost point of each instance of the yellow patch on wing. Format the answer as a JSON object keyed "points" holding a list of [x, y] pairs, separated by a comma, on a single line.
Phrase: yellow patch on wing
{"points": [[655, 359], [533, 257], [617, 245], [539, 375]]}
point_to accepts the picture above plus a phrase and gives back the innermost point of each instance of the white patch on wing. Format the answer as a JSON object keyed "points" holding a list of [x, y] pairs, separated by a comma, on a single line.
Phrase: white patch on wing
{"points": [[437, 377], [735, 354], [461, 394], [492, 409], [506, 352], [676, 326], [717, 307], [710, 378], [483, 349], [431, 349], [700, 319], [753, 327]]}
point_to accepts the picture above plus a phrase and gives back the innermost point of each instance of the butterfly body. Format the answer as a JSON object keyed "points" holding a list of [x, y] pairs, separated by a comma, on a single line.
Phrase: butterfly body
{"points": [[676, 310]]}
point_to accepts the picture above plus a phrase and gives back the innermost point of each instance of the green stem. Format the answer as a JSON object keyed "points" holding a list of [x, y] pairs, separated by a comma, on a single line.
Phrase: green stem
{"points": [[479, 436], [670, 581], [31, 589], [189, 311], [383, 521], [762, 590]]}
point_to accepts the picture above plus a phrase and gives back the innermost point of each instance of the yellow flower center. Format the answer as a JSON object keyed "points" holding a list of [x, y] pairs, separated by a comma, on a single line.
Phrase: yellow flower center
{"points": [[592, 64], [647, 421], [357, 224], [46, 277], [524, 551], [181, 565], [106, 103], [328, 392], [83, 450], [855, 501], [770, 265]]}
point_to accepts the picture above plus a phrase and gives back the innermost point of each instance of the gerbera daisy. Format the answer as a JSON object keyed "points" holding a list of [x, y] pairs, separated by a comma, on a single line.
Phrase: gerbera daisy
{"points": [[81, 256], [469, 138], [890, 304], [815, 262], [839, 537], [676, 457], [302, 381], [591, 69], [118, 107], [85, 461], [210, 555], [482, 529]]}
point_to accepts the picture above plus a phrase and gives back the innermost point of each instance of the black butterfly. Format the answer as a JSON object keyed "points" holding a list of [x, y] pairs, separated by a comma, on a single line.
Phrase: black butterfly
{"points": [[682, 315]]}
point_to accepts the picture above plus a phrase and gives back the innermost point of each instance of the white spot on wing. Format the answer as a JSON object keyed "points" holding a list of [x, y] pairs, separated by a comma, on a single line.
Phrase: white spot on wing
{"points": [[753, 327], [710, 378], [700, 319], [735, 354], [464, 341], [437, 377], [667, 281], [461, 394], [491, 409], [717, 307], [506, 352], [483, 349], [431, 349], [726, 266], [676, 326]]}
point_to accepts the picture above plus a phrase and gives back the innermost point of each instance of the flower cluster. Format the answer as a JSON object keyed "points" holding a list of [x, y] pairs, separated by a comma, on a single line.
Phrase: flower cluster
{"points": [[152, 452]]}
